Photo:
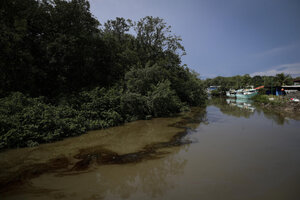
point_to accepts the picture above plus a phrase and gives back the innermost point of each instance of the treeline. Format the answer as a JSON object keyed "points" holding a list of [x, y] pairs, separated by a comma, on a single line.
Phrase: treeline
{"points": [[238, 82], [63, 73]]}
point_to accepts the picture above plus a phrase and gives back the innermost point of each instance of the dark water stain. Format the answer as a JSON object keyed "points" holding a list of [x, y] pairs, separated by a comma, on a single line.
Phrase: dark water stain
{"points": [[26, 173], [86, 157], [101, 156]]}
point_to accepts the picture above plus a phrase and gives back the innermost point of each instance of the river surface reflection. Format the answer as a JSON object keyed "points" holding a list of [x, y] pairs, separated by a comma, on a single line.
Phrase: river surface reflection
{"points": [[229, 150]]}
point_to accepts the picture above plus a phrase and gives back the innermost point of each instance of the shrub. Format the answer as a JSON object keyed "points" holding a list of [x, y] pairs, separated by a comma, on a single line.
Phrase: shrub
{"points": [[261, 98], [134, 106], [163, 100], [29, 121], [141, 80], [277, 100], [100, 107]]}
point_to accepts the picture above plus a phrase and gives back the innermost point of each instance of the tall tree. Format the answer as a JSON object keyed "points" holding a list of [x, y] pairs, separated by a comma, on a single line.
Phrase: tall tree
{"points": [[154, 38], [282, 79]]}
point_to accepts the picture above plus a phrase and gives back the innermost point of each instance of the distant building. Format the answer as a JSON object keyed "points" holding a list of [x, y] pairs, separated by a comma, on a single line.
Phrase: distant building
{"points": [[291, 88], [212, 88], [297, 82]]}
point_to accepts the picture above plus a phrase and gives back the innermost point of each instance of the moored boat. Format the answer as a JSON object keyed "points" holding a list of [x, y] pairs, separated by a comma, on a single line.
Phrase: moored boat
{"points": [[246, 93], [231, 93]]}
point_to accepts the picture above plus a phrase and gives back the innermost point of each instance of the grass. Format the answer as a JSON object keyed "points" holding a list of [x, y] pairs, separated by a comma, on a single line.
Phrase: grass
{"points": [[269, 99]]}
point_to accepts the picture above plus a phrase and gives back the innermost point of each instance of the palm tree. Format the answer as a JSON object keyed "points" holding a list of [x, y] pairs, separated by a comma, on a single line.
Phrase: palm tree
{"points": [[282, 79]]}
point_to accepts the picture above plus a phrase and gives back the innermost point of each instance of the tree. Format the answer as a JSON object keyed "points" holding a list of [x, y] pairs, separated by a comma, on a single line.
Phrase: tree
{"points": [[257, 81], [154, 38], [49, 46], [118, 28], [282, 79], [246, 81], [163, 100], [67, 74]]}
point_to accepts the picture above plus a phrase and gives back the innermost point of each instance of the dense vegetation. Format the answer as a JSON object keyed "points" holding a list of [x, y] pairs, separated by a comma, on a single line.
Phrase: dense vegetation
{"points": [[238, 82], [270, 99], [63, 73]]}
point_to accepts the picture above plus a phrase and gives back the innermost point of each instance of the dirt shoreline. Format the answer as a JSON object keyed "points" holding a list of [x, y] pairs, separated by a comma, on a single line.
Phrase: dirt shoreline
{"points": [[73, 159], [290, 109]]}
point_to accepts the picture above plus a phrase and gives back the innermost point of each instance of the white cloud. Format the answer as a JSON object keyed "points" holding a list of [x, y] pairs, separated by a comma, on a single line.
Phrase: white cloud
{"points": [[292, 69]]}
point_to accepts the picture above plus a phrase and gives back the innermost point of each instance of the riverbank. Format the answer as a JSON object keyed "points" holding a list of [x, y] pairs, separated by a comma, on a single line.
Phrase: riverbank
{"points": [[141, 140], [29, 121], [280, 104], [164, 158], [57, 88]]}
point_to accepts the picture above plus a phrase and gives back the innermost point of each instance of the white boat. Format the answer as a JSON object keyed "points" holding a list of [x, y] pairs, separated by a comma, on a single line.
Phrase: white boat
{"points": [[246, 93], [231, 93]]}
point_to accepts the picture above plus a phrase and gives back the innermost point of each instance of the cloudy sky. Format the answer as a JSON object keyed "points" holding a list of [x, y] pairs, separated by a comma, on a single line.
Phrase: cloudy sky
{"points": [[223, 37]]}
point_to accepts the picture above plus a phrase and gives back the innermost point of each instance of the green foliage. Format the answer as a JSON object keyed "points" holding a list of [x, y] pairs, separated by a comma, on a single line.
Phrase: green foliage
{"points": [[163, 100], [266, 99], [134, 106], [226, 83], [28, 121], [62, 73], [142, 79], [282, 79], [238, 82], [188, 87], [100, 107], [261, 98], [220, 91], [257, 81]]}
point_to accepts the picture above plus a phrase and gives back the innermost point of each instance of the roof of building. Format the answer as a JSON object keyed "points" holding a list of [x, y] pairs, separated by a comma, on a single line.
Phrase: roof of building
{"points": [[260, 87], [291, 86]]}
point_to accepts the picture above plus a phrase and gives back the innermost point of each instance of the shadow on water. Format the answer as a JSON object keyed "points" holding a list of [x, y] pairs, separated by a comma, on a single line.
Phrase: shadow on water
{"points": [[102, 156]]}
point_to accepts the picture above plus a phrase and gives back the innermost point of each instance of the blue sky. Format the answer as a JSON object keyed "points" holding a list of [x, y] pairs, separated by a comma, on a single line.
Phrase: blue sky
{"points": [[223, 37]]}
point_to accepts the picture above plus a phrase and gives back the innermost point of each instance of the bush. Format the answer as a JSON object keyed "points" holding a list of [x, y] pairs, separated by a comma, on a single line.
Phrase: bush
{"points": [[265, 99], [261, 98], [100, 107], [134, 106], [29, 121], [190, 89], [216, 93], [142, 80], [163, 100]]}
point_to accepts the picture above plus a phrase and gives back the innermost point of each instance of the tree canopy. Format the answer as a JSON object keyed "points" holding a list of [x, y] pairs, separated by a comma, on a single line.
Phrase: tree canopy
{"points": [[238, 82], [62, 72]]}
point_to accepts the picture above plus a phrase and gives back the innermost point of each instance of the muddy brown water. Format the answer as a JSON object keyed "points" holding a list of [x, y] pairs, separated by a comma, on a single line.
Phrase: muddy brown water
{"points": [[228, 150]]}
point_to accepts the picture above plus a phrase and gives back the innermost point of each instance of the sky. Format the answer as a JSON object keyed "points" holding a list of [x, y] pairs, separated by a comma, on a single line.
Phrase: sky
{"points": [[223, 37]]}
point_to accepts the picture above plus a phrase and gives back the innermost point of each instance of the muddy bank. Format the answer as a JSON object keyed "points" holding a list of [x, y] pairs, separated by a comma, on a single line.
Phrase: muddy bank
{"points": [[132, 143], [289, 108]]}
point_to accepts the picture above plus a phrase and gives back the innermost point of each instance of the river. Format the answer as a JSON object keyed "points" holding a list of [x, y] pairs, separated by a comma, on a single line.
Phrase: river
{"points": [[228, 150]]}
